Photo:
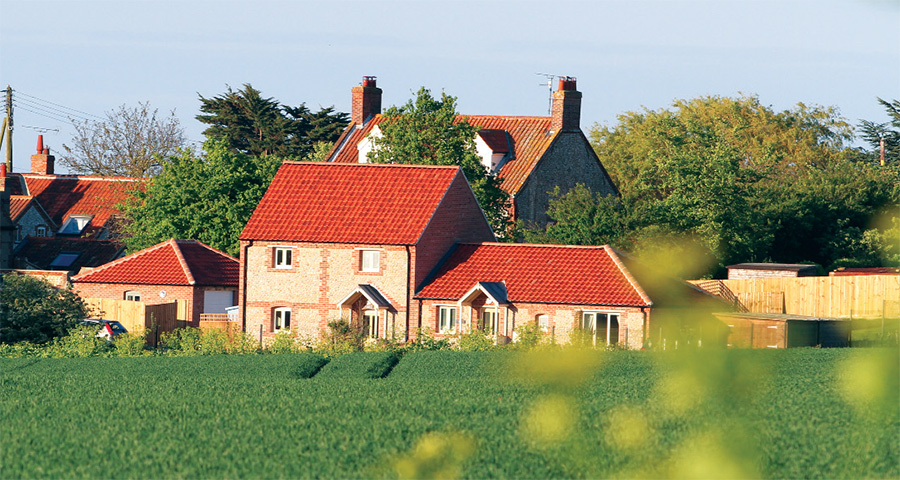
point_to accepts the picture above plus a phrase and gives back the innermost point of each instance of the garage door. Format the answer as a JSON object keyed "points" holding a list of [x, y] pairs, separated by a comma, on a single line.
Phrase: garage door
{"points": [[217, 301]]}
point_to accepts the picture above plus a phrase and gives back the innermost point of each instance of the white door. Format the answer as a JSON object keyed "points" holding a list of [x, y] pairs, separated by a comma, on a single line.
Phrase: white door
{"points": [[216, 301]]}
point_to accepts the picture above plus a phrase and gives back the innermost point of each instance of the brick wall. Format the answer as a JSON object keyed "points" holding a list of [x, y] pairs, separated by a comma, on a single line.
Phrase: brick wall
{"points": [[321, 275], [457, 219], [568, 161], [562, 318]]}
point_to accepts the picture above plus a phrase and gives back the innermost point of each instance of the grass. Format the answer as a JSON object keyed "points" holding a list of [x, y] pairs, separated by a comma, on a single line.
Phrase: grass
{"points": [[772, 414]]}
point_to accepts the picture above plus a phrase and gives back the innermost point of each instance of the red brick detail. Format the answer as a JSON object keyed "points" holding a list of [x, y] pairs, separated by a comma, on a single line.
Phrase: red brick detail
{"points": [[566, 111], [366, 101]]}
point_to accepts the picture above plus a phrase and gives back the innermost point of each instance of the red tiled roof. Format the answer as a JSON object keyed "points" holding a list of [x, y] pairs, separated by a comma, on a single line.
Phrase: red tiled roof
{"points": [[40, 252], [174, 262], [64, 195], [349, 203], [530, 136], [538, 273], [17, 205]]}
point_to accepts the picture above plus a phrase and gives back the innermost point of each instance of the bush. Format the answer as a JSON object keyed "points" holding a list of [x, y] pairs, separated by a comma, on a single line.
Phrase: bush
{"points": [[242, 343], [340, 339], [33, 310], [284, 342], [425, 341], [183, 341], [476, 341], [130, 344], [213, 342], [529, 336], [81, 341]]}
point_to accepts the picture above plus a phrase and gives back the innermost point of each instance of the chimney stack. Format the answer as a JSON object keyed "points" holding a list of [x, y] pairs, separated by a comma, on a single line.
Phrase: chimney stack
{"points": [[42, 162], [566, 106], [366, 101]]}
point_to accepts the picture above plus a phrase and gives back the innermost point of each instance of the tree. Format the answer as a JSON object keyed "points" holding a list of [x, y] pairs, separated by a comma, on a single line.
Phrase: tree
{"points": [[209, 198], [256, 126], [873, 133], [33, 310], [746, 182], [129, 143], [427, 131]]}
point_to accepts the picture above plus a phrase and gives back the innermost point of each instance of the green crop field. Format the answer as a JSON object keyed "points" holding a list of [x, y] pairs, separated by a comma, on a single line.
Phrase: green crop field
{"points": [[806, 413]]}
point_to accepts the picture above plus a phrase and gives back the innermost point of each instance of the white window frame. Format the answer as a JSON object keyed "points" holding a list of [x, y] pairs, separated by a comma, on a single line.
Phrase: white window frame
{"points": [[543, 321], [589, 323], [448, 320], [40, 231], [372, 264], [371, 317], [490, 320], [283, 257], [281, 319], [133, 296]]}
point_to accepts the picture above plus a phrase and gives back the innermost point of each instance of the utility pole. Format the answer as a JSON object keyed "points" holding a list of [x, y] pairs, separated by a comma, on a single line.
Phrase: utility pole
{"points": [[9, 129]]}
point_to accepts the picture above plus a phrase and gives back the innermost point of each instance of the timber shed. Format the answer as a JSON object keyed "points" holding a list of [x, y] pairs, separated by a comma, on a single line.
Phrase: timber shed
{"points": [[779, 330]]}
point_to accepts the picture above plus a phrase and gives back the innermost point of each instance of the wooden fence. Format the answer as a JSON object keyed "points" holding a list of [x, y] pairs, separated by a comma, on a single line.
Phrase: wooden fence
{"points": [[221, 321], [861, 296], [137, 316]]}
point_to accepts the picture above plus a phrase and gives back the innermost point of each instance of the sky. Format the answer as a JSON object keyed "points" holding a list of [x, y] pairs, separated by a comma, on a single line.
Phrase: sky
{"points": [[83, 58]]}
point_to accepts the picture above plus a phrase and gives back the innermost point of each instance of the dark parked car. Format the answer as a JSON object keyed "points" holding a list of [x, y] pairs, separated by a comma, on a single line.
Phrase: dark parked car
{"points": [[108, 329]]}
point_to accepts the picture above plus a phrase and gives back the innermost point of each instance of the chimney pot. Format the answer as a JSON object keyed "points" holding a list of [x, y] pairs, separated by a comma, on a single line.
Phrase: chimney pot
{"points": [[40, 144], [366, 101], [3, 170], [566, 111], [567, 83], [42, 162]]}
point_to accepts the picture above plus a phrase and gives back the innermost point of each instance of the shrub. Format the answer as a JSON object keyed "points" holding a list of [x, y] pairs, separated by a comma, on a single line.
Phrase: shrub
{"points": [[341, 338], [425, 341], [242, 343], [213, 342], [130, 344], [33, 310], [284, 342], [81, 341], [529, 336], [476, 341], [183, 341]]}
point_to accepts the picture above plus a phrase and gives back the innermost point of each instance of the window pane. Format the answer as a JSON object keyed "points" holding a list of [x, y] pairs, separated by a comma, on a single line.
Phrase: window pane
{"points": [[370, 260]]}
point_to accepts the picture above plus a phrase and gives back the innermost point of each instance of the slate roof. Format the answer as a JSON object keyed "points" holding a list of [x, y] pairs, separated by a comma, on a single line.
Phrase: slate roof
{"points": [[40, 252], [530, 138], [349, 203], [65, 195], [536, 273], [173, 262]]}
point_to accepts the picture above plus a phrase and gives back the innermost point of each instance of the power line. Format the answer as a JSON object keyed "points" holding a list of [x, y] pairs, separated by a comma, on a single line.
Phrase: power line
{"points": [[60, 106], [22, 103]]}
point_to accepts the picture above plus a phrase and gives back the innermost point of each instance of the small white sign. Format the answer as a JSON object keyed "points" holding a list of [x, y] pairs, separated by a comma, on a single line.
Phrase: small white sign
{"points": [[162, 294]]}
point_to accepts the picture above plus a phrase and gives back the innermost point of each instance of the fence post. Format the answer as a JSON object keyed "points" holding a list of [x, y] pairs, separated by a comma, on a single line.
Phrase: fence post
{"points": [[260, 336]]}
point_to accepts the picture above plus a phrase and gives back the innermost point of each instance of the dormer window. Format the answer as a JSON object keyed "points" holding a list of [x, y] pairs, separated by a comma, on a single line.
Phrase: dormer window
{"points": [[366, 145], [40, 231], [75, 224], [493, 146]]}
